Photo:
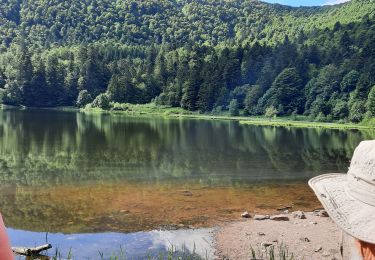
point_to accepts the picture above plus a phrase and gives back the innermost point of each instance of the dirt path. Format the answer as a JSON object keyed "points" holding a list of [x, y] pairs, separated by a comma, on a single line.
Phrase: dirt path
{"points": [[311, 238]]}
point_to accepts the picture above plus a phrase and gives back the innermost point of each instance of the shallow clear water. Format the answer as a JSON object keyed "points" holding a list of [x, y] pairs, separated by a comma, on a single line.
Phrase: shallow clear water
{"points": [[74, 173], [138, 245]]}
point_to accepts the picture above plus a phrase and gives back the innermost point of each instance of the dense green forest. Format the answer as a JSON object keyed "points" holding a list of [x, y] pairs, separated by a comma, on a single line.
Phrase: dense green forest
{"points": [[243, 56]]}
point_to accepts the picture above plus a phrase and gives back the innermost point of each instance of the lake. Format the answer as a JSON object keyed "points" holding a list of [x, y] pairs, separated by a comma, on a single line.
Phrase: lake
{"points": [[90, 178]]}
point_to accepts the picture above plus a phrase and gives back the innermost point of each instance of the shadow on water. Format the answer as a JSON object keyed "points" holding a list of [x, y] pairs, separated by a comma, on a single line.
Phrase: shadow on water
{"points": [[73, 172]]}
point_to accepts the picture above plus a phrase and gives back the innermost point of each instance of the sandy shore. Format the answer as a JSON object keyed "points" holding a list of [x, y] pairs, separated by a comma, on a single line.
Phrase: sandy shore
{"points": [[315, 237]]}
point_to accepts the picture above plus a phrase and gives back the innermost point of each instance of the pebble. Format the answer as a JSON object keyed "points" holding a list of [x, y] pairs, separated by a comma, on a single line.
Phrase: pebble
{"points": [[261, 234], [313, 223], [280, 218], [246, 215], [304, 239], [318, 249], [266, 244]]}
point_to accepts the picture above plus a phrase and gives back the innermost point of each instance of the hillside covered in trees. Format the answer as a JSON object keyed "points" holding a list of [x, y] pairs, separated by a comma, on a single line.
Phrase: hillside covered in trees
{"points": [[201, 55]]}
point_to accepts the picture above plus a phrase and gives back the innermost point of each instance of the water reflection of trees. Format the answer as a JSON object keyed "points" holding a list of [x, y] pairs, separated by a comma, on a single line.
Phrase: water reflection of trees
{"points": [[39, 147]]}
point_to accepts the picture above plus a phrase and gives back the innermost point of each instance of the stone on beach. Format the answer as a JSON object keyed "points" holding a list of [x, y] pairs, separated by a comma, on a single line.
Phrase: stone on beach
{"points": [[321, 213], [266, 244], [299, 214], [261, 217], [280, 218], [304, 239]]}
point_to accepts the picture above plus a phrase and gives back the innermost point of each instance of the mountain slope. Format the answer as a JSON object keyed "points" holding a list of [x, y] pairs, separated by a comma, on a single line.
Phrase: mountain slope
{"points": [[202, 55], [174, 21]]}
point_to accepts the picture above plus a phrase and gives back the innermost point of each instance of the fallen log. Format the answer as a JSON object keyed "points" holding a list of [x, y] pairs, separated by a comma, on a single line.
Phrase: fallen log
{"points": [[31, 251]]}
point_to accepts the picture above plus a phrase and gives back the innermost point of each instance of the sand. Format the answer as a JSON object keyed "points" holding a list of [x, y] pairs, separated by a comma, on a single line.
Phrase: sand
{"points": [[311, 238]]}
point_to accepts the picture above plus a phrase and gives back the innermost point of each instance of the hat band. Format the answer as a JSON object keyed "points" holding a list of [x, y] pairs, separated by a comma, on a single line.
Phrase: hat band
{"points": [[361, 189]]}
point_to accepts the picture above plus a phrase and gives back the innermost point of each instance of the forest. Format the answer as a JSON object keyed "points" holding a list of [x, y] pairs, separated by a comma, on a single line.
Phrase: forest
{"points": [[248, 57]]}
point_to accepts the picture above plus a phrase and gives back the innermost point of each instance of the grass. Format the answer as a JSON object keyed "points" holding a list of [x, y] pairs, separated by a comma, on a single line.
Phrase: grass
{"points": [[272, 253], [302, 124], [293, 121]]}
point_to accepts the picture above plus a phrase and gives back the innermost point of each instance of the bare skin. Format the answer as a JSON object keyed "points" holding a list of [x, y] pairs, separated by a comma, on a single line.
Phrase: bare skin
{"points": [[5, 249]]}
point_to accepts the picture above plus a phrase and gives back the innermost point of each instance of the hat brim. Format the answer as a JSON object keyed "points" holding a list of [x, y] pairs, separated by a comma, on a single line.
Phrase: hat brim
{"points": [[354, 217]]}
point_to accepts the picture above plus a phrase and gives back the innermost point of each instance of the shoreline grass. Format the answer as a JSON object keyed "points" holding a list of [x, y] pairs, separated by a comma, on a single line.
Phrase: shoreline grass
{"points": [[305, 124]]}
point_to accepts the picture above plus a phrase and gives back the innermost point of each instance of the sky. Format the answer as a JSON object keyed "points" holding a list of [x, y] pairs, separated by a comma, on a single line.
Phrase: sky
{"points": [[306, 2]]}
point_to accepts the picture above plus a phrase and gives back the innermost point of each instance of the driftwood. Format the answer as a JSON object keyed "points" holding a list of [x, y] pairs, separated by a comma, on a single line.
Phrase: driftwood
{"points": [[31, 251]]}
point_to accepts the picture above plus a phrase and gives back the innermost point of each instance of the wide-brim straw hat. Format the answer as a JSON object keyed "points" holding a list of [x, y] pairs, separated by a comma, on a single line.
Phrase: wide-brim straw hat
{"points": [[349, 199]]}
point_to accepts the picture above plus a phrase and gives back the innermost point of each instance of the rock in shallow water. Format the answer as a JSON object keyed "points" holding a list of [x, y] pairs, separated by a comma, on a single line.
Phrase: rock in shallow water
{"points": [[246, 215]]}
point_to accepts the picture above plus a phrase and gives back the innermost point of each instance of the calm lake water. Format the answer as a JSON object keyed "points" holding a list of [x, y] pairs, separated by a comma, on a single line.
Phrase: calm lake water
{"points": [[93, 178]]}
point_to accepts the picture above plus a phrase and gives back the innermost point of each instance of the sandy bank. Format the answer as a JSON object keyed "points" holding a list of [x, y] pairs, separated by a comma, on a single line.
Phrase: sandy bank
{"points": [[312, 238]]}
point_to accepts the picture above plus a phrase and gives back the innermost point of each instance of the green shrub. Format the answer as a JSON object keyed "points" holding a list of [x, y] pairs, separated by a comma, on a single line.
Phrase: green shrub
{"points": [[271, 112], [233, 108], [102, 101], [83, 98]]}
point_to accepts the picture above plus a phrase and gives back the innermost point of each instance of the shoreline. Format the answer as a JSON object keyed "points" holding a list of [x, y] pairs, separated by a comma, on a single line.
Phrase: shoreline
{"points": [[169, 112]]}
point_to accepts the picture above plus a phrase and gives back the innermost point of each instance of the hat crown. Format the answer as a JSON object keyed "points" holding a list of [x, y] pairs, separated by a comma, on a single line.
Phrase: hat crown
{"points": [[363, 161]]}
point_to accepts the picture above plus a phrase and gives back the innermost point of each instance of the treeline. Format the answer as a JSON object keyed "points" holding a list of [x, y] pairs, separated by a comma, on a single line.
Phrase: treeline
{"points": [[327, 76]]}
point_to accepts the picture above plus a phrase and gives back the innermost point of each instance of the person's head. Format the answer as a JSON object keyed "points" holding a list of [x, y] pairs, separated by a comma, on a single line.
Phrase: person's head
{"points": [[350, 198]]}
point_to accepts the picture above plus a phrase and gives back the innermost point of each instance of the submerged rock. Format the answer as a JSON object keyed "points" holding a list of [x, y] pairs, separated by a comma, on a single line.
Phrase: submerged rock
{"points": [[284, 208], [246, 215], [186, 193], [280, 218]]}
